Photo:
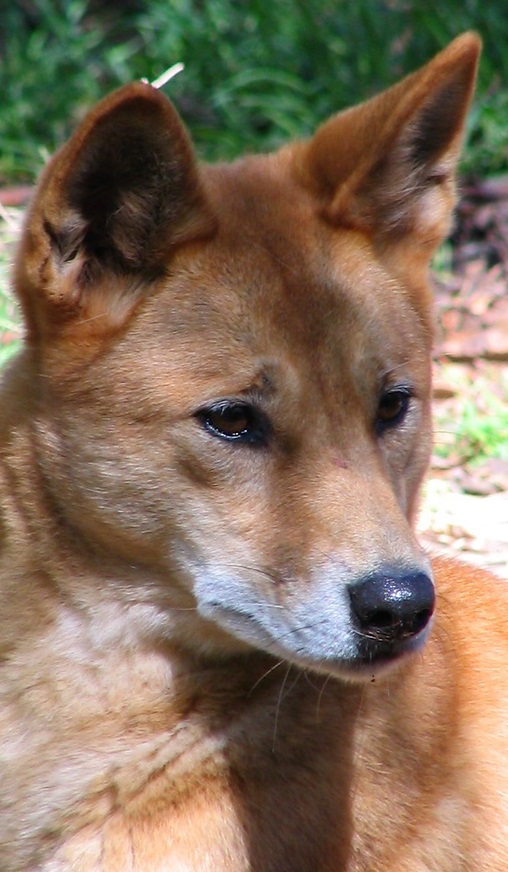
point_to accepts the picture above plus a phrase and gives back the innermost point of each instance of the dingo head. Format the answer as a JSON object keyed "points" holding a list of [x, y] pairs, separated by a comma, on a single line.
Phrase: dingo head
{"points": [[230, 368]]}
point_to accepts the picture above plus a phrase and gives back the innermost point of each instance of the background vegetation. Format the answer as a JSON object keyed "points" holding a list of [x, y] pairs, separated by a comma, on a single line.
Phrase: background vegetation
{"points": [[256, 71]]}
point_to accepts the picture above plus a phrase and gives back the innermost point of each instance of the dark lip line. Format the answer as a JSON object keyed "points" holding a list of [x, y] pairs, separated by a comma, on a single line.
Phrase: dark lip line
{"points": [[345, 667]]}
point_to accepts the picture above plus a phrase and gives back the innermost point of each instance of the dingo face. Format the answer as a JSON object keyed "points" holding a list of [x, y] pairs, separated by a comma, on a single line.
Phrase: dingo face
{"points": [[232, 368]]}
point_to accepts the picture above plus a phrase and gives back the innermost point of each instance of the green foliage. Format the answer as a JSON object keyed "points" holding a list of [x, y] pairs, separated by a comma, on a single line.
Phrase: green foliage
{"points": [[9, 319], [257, 72], [56, 60], [479, 430]]}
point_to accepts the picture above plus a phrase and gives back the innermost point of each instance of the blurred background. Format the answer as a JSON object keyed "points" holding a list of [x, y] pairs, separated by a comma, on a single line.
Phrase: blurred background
{"points": [[257, 73]]}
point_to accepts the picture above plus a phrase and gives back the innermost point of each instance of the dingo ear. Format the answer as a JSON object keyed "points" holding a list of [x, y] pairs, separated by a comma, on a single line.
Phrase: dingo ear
{"points": [[387, 167], [110, 207]]}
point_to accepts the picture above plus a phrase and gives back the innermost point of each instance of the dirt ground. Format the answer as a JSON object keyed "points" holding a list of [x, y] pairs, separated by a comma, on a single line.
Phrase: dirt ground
{"points": [[464, 508]]}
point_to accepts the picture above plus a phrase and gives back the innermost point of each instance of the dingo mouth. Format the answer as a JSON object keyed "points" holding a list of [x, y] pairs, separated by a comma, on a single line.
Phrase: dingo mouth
{"points": [[353, 631]]}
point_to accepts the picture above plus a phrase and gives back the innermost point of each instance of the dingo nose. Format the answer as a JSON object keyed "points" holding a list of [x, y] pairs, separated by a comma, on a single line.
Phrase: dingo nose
{"points": [[391, 607]]}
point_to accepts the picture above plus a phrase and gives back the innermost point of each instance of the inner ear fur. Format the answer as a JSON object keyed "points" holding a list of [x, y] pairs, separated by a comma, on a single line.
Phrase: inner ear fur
{"points": [[114, 202], [387, 167]]}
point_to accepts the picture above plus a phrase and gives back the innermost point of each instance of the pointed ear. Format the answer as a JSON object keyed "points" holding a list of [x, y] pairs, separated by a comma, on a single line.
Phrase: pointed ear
{"points": [[387, 167], [110, 208]]}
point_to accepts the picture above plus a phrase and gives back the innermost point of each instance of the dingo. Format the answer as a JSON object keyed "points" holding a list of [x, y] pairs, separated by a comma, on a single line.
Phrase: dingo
{"points": [[221, 647]]}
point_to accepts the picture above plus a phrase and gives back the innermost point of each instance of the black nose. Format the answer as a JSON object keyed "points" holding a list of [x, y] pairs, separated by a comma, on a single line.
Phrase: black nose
{"points": [[393, 607]]}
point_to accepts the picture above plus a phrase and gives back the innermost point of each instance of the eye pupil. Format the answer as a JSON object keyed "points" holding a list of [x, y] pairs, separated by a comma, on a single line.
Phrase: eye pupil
{"points": [[230, 421], [392, 408], [235, 421]]}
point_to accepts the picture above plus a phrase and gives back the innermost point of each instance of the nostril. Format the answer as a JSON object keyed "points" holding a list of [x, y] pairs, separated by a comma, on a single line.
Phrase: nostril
{"points": [[392, 606], [420, 620], [381, 618]]}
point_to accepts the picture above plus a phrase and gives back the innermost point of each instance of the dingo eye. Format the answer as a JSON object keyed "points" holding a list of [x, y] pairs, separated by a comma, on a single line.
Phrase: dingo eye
{"points": [[392, 408], [234, 421]]}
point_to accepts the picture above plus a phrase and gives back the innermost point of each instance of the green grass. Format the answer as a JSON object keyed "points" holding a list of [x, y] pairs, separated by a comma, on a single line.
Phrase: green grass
{"points": [[256, 72], [478, 428], [10, 332], [56, 60]]}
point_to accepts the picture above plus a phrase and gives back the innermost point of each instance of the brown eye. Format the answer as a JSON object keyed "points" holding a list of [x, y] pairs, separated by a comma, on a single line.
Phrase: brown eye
{"points": [[392, 408], [231, 421], [234, 421]]}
